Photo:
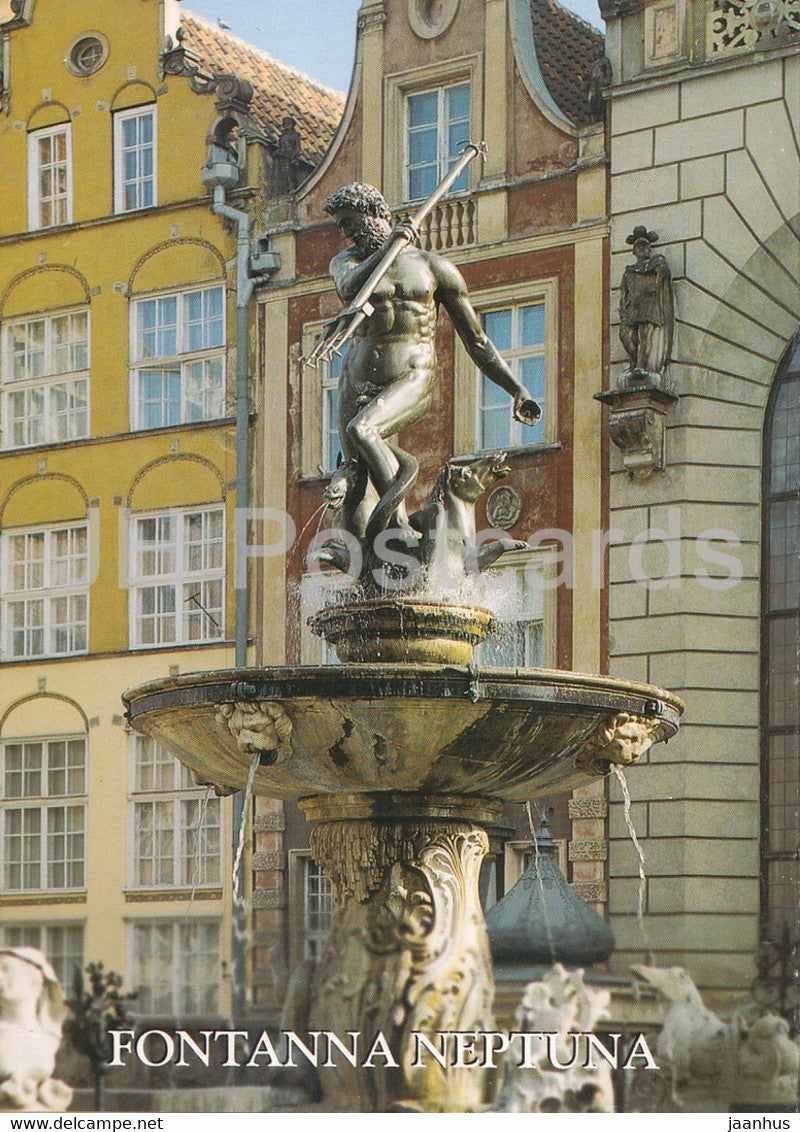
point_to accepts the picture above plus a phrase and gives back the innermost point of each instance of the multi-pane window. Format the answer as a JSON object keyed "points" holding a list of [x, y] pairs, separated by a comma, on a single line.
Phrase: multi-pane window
{"points": [[176, 825], [518, 332], [331, 448], [178, 358], [45, 379], [516, 595], [177, 577], [135, 159], [44, 576], [317, 908], [437, 128], [43, 814], [176, 967], [49, 177], [62, 944], [781, 706]]}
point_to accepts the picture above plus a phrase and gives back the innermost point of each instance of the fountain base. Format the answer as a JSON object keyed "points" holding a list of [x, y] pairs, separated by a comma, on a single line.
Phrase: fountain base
{"points": [[407, 962]]}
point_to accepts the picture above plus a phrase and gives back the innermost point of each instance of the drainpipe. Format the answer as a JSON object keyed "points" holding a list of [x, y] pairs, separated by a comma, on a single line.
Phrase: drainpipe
{"points": [[250, 268], [244, 290]]}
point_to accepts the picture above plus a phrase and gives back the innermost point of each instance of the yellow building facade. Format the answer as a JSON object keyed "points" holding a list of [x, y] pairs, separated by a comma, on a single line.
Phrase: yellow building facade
{"points": [[118, 466]]}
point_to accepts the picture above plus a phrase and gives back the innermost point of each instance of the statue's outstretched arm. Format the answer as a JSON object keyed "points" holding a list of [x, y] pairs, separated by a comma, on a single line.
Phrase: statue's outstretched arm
{"points": [[452, 293]]}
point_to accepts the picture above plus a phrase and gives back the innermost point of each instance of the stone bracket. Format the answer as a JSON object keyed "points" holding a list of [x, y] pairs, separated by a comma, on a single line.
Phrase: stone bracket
{"points": [[637, 426]]}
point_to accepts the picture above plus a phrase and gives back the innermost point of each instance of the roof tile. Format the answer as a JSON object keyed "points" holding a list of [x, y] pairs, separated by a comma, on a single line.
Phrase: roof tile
{"points": [[278, 90], [566, 47]]}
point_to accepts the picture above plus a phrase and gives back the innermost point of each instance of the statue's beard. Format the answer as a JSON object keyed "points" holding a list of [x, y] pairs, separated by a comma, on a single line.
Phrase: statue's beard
{"points": [[371, 235]]}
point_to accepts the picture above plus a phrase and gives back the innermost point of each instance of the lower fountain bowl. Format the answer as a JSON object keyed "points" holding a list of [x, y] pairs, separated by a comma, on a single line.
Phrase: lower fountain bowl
{"points": [[509, 734], [400, 630]]}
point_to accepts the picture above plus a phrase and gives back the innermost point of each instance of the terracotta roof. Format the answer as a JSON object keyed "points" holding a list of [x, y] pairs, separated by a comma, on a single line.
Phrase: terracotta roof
{"points": [[279, 90], [566, 47]]}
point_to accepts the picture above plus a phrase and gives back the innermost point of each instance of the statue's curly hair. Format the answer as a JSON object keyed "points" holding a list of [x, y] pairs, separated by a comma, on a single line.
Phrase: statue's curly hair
{"points": [[362, 198]]}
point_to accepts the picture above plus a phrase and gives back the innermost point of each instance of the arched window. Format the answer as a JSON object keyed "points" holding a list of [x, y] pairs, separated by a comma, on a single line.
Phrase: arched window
{"points": [[781, 634]]}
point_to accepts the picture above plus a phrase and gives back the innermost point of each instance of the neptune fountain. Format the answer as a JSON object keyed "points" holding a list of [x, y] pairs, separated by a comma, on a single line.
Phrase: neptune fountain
{"points": [[403, 754]]}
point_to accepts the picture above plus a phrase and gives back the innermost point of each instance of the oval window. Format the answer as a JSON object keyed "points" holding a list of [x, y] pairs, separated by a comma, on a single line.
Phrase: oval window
{"points": [[87, 55]]}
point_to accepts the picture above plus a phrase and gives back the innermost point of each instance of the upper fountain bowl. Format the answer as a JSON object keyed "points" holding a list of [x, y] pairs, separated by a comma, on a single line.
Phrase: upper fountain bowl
{"points": [[509, 734]]}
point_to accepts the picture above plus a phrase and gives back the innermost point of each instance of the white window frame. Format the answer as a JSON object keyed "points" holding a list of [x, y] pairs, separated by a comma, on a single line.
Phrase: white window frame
{"points": [[35, 199], [517, 431], [535, 563], [178, 579], [47, 596], [466, 407], [47, 384], [43, 935], [43, 803], [464, 69], [175, 795], [181, 361], [183, 958], [317, 457], [330, 371], [120, 117], [444, 161], [306, 942]]}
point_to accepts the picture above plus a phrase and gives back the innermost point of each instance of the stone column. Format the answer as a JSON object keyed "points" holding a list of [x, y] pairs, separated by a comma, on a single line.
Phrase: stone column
{"points": [[408, 952]]}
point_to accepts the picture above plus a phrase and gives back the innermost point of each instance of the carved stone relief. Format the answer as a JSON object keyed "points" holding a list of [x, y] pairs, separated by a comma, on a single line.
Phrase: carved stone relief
{"points": [[260, 726], [407, 954], [741, 25], [503, 507], [620, 742]]}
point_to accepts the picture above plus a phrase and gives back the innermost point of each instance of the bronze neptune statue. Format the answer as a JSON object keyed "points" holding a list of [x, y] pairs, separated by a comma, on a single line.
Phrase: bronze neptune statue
{"points": [[389, 364]]}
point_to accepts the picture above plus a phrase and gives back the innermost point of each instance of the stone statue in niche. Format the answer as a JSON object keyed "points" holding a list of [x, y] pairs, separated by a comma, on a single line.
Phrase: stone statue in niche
{"points": [[288, 156], [600, 77], [646, 316], [32, 1010]]}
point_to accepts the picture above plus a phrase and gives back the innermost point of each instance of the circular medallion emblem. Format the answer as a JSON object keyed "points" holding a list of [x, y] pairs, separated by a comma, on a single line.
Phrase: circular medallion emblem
{"points": [[503, 507], [430, 18]]}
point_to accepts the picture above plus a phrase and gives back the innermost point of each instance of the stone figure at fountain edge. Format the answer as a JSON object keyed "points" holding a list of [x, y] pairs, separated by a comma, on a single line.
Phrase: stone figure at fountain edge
{"points": [[389, 366]]}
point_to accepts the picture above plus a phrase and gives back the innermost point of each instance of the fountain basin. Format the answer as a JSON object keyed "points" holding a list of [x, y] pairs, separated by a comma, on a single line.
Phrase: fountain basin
{"points": [[510, 734], [402, 631]]}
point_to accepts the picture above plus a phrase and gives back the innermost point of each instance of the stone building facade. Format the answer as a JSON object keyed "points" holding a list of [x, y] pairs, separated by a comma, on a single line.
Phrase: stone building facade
{"points": [[703, 111]]}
